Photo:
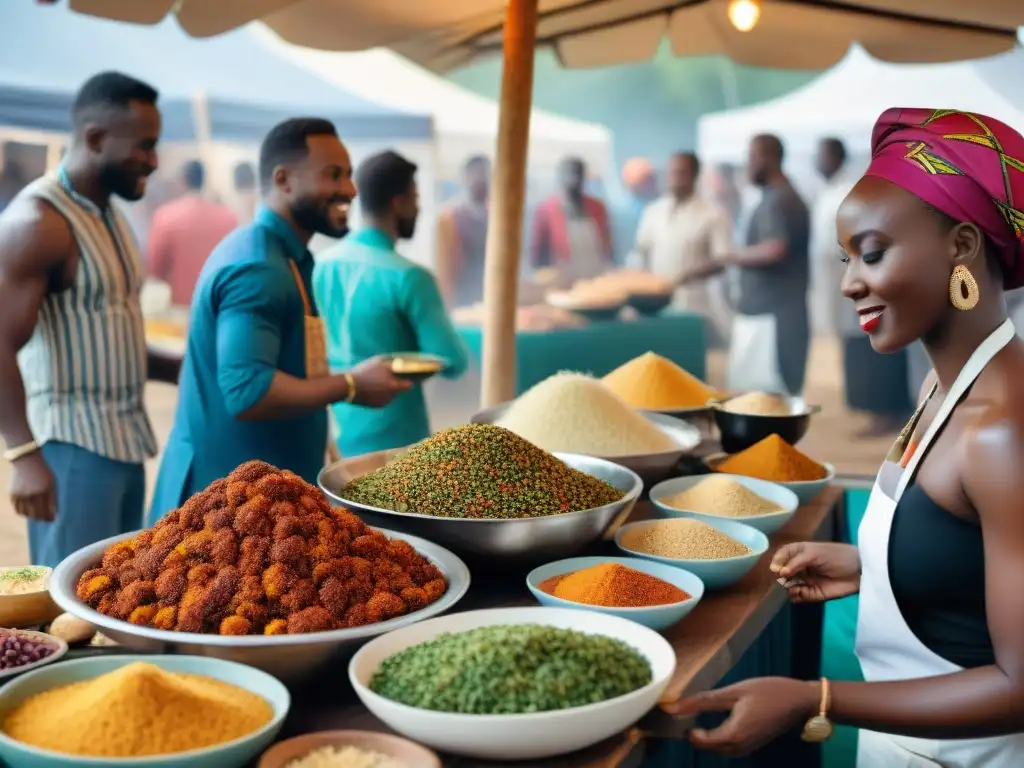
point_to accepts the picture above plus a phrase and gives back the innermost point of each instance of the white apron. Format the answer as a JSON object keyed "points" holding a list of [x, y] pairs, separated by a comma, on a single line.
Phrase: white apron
{"points": [[754, 356], [886, 646], [316, 354]]}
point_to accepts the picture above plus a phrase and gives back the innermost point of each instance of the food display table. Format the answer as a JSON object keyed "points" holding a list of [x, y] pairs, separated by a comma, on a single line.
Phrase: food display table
{"points": [[718, 640], [602, 346]]}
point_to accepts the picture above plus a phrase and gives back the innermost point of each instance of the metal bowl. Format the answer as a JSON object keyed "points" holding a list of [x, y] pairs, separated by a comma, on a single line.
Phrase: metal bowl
{"points": [[290, 658], [648, 304], [651, 467], [739, 431], [526, 540]]}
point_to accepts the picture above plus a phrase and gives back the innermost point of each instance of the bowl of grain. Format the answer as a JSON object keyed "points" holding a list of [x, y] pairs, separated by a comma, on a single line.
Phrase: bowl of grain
{"points": [[142, 711], [348, 749], [719, 552], [488, 494], [748, 418], [652, 594], [513, 683], [574, 413], [758, 503]]}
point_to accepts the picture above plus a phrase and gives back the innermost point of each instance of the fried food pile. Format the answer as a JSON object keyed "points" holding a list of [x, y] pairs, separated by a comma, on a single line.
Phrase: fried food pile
{"points": [[261, 551]]}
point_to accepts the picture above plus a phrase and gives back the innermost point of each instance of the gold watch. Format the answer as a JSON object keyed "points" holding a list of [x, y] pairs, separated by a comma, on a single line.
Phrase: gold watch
{"points": [[819, 728]]}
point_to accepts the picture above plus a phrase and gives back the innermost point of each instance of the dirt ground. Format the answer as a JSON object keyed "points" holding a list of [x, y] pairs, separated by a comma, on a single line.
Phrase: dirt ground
{"points": [[831, 437]]}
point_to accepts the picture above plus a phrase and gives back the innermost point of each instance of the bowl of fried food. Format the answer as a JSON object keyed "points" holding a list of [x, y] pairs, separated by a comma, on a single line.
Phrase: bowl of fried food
{"points": [[258, 569]]}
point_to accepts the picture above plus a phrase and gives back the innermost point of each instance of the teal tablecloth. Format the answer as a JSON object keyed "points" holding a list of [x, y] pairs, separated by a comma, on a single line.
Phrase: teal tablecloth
{"points": [[600, 347]]}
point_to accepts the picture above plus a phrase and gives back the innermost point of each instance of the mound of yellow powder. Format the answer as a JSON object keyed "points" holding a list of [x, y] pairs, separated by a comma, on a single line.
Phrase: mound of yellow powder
{"points": [[655, 383], [573, 413], [135, 711]]}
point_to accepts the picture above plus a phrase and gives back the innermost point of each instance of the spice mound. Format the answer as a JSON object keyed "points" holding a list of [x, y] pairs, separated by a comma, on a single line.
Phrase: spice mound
{"points": [[722, 496], [573, 413], [345, 757], [683, 539], [480, 471], [656, 383], [17, 650], [757, 404], [260, 551], [135, 711], [773, 459], [612, 585], [511, 669], [23, 580]]}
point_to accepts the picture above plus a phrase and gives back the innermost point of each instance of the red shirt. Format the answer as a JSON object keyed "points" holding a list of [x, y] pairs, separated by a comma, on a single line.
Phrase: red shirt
{"points": [[181, 236]]}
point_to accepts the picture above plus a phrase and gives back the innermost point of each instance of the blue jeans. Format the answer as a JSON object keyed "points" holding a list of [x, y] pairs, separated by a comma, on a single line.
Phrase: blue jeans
{"points": [[96, 498]]}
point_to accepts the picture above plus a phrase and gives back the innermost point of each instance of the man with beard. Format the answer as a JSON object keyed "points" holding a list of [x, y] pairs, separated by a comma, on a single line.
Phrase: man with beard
{"points": [[255, 383], [73, 363], [377, 302]]}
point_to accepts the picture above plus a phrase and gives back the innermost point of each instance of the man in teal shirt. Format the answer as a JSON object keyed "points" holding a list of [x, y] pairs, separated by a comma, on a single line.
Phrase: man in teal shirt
{"points": [[250, 386], [377, 302]]}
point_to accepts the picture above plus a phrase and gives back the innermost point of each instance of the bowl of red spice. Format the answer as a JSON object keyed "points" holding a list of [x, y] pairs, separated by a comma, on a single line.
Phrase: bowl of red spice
{"points": [[652, 594]]}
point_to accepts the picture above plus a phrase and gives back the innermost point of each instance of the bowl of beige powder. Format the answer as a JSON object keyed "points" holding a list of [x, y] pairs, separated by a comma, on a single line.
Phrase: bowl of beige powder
{"points": [[746, 419], [760, 504], [719, 552]]}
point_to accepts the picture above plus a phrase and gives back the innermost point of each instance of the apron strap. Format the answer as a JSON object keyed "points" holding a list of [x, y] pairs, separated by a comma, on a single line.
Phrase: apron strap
{"points": [[307, 305], [981, 357]]}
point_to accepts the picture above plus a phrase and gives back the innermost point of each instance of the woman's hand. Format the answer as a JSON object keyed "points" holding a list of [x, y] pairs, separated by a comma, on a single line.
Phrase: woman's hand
{"points": [[814, 572], [760, 711]]}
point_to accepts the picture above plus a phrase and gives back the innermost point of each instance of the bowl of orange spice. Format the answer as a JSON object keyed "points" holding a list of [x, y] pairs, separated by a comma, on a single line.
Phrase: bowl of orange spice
{"points": [[653, 594], [775, 460]]}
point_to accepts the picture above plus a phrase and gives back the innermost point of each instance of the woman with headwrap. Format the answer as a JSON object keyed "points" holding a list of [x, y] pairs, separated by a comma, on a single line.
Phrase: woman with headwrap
{"points": [[932, 237]]}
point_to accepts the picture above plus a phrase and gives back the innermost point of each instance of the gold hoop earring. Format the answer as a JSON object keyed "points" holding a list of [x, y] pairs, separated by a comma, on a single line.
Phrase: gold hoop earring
{"points": [[963, 289]]}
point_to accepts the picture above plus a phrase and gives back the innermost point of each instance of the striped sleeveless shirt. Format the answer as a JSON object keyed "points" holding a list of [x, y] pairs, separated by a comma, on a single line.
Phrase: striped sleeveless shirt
{"points": [[85, 366]]}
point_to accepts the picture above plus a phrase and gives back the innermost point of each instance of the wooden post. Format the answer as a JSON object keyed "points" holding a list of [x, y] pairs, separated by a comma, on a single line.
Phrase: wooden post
{"points": [[508, 191]]}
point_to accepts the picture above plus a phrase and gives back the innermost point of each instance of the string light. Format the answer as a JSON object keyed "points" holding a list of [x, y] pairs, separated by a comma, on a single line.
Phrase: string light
{"points": [[744, 14]]}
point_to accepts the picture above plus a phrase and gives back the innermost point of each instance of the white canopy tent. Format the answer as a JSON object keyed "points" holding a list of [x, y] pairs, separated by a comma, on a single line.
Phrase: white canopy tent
{"points": [[465, 123], [845, 101]]}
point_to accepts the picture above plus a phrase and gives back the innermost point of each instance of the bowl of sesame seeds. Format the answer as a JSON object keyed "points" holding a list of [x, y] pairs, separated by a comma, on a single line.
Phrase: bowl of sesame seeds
{"points": [[484, 492]]}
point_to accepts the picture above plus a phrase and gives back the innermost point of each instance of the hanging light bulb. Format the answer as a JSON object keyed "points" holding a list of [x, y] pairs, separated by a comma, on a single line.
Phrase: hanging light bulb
{"points": [[744, 14]]}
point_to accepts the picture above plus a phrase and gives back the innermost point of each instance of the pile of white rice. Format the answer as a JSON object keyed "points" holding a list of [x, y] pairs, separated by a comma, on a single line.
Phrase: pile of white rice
{"points": [[574, 413]]}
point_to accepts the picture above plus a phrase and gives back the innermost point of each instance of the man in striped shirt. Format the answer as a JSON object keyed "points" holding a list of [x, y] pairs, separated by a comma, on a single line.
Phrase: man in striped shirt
{"points": [[73, 359]]}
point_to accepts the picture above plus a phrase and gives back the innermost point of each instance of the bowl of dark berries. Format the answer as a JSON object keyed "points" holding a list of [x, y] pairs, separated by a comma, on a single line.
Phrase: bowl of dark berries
{"points": [[22, 650]]}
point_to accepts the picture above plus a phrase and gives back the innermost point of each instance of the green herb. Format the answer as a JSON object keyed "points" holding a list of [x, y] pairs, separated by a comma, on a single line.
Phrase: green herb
{"points": [[480, 471], [25, 573], [511, 669]]}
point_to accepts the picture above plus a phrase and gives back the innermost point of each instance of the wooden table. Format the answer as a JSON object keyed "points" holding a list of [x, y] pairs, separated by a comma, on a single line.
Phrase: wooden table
{"points": [[708, 644]]}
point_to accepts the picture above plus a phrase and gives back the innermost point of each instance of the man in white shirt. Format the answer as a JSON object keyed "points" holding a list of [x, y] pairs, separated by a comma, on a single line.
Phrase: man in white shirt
{"points": [[681, 231]]}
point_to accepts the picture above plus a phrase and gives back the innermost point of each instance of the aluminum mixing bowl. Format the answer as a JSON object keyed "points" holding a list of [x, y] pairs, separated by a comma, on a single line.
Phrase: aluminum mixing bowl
{"points": [[502, 541], [290, 658], [651, 467]]}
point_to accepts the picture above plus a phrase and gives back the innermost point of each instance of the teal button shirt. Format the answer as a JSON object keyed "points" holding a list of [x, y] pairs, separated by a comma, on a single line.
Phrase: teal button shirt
{"points": [[376, 302], [247, 323]]}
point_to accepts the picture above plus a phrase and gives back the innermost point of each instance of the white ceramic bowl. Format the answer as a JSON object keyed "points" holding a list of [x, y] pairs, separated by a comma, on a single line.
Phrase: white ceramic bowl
{"points": [[773, 492], [515, 737]]}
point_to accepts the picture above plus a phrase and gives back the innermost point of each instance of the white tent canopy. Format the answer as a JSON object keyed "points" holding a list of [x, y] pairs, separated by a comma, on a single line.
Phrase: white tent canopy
{"points": [[845, 101], [465, 123]]}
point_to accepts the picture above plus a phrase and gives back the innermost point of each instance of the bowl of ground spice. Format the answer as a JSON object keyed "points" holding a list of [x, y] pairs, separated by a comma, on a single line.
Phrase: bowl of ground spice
{"points": [[719, 552], [775, 460], [486, 493], [758, 503], [749, 418], [651, 382], [643, 591], [143, 711], [513, 683]]}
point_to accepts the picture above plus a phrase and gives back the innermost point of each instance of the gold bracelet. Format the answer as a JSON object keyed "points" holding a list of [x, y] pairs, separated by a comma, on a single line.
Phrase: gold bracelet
{"points": [[20, 451], [819, 727], [350, 383]]}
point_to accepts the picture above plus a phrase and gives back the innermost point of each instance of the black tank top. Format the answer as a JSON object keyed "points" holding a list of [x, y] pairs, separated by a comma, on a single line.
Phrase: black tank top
{"points": [[937, 575]]}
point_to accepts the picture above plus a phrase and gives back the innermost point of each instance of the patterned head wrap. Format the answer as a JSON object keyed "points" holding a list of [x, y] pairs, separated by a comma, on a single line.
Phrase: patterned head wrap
{"points": [[968, 166]]}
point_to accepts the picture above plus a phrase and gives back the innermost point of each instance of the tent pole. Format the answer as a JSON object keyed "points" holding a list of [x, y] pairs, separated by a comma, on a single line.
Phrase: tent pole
{"points": [[508, 190]]}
